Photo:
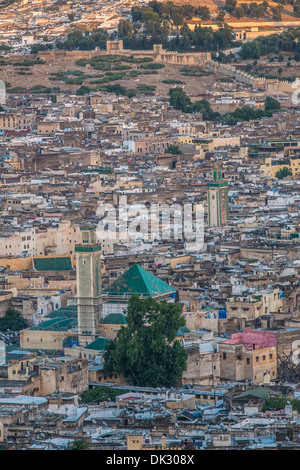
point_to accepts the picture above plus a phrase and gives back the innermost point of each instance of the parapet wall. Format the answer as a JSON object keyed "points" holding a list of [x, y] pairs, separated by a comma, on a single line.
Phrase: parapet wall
{"points": [[116, 47], [196, 58], [52, 55], [270, 85]]}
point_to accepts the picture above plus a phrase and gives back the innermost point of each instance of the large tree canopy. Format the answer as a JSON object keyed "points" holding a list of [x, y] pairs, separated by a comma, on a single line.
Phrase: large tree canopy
{"points": [[180, 100], [146, 350], [283, 172], [13, 321]]}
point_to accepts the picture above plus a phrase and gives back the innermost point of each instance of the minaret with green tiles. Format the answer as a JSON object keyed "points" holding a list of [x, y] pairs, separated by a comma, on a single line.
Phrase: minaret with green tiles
{"points": [[89, 290], [217, 200]]}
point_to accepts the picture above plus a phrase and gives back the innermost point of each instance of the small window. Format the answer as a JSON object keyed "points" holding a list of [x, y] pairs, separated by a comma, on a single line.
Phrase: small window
{"points": [[224, 355]]}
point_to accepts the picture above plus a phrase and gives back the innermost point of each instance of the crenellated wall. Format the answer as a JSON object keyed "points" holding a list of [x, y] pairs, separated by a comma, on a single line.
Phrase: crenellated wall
{"points": [[116, 47], [270, 85]]}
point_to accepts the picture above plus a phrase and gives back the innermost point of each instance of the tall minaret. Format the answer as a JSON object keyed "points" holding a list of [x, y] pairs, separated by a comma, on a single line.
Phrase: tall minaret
{"points": [[88, 274], [217, 200]]}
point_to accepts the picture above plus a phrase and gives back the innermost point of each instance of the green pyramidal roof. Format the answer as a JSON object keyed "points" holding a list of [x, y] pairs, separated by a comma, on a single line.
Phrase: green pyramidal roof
{"points": [[137, 280], [98, 344]]}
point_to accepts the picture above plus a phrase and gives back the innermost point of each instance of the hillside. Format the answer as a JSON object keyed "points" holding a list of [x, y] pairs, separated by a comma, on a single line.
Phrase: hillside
{"points": [[216, 5]]}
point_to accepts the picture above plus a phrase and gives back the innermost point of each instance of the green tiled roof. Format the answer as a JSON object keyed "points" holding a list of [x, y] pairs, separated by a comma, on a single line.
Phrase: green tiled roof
{"points": [[87, 248], [61, 263], [98, 344], [46, 324], [61, 319], [56, 324], [114, 319], [137, 280], [183, 330], [255, 392], [64, 312]]}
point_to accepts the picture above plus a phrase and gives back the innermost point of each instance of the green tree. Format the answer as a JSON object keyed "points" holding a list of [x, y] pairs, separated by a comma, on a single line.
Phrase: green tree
{"points": [[146, 350], [257, 11], [80, 444], [136, 14], [246, 113], [283, 173], [276, 12], [238, 12], [204, 108], [174, 150], [220, 18], [250, 50], [12, 320], [271, 104], [223, 36], [99, 394], [179, 99], [230, 5], [149, 16], [297, 7], [35, 48], [124, 28], [117, 89], [188, 11], [83, 90], [203, 13], [265, 5], [280, 403], [178, 19]]}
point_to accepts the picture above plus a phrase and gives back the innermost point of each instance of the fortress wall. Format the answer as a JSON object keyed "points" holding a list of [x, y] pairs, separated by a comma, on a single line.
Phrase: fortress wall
{"points": [[157, 53], [271, 85]]}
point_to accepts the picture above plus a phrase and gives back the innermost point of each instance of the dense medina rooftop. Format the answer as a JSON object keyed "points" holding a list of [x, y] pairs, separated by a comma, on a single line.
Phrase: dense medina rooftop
{"points": [[92, 143]]}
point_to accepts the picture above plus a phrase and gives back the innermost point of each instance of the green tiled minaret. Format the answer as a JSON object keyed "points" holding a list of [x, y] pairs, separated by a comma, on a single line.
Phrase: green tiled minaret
{"points": [[217, 200], [88, 273]]}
